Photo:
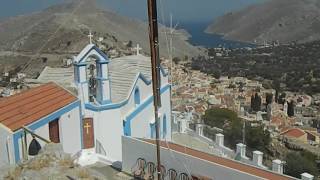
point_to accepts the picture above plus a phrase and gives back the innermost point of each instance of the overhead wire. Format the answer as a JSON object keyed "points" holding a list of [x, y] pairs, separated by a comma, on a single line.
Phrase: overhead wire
{"points": [[185, 164]]}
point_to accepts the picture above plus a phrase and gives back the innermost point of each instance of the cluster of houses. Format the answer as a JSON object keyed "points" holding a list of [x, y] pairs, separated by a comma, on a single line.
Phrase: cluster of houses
{"points": [[101, 110], [194, 91]]}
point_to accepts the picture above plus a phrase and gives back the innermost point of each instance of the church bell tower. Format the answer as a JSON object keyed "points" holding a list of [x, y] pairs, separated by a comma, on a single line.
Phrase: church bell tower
{"points": [[92, 75]]}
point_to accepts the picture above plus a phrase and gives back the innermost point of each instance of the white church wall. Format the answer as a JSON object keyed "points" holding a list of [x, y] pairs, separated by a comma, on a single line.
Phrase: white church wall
{"points": [[6, 144], [83, 93], [43, 132], [134, 149], [108, 129], [145, 92], [108, 124], [164, 78], [70, 131], [166, 110], [140, 124], [144, 115]]}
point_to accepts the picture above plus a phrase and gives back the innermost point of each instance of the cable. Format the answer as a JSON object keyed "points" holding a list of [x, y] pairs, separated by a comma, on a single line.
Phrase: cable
{"points": [[170, 54], [164, 23]]}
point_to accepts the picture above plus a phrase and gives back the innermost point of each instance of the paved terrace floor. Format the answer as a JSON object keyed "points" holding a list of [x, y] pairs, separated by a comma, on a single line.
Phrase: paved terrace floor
{"points": [[190, 141], [109, 172], [264, 174]]}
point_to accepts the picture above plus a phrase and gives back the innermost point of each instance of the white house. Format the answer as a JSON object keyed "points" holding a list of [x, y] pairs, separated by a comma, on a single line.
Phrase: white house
{"points": [[49, 111], [116, 98]]}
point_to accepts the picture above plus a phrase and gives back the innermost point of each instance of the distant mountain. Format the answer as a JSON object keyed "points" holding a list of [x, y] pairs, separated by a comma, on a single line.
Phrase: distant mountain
{"points": [[274, 20], [64, 28]]}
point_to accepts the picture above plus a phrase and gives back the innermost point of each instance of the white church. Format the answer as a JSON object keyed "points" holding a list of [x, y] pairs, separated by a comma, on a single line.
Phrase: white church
{"points": [[114, 99]]}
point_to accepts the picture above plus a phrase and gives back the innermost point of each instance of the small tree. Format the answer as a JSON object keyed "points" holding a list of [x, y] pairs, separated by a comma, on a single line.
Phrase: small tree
{"points": [[258, 138], [276, 96], [269, 98], [256, 102], [252, 102], [298, 163], [282, 98], [290, 109], [129, 45], [176, 60]]}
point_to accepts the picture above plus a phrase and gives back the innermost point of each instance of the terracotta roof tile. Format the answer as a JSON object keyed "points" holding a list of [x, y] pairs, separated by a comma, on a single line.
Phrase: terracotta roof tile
{"points": [[294, 132], [31, 105], [223, 161]]}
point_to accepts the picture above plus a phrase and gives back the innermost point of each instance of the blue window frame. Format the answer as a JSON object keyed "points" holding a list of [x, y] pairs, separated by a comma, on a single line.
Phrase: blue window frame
{"points": [[153, 130], [136, 96], [164, 126]]}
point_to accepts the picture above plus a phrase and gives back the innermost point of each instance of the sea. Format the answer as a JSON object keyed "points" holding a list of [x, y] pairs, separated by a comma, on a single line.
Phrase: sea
{"points": [[200, 38]]}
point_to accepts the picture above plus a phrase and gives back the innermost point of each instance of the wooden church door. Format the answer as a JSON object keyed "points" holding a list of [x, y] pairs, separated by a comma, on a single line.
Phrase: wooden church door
{"points": [[54, 131], [88, 133]]}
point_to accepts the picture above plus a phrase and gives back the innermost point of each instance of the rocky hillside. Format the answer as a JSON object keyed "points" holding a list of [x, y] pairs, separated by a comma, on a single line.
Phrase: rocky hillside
{"points": [[275, 20], [64, 28], [51, 163]]}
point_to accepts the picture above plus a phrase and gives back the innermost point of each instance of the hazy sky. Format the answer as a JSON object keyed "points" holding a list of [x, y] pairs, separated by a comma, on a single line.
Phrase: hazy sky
{"points": [[183, 10], [17, 7]]}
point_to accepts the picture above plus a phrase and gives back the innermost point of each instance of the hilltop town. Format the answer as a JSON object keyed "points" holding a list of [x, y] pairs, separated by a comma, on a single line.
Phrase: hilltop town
{"points": [[290, 117], [89, 103]]}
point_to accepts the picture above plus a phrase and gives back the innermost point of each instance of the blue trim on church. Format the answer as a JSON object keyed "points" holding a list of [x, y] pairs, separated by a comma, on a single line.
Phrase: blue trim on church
{"points": [[164, 126], [144, 79], [100, 61], [81, 125], [17, 134], [118, 105], [80, 64], [153, 130], [163, 71], [101, 78], [108, 105], [140, 108]]}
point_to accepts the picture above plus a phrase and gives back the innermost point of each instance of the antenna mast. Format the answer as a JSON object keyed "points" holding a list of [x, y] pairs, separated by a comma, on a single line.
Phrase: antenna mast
{"points": [[244, 133], [155, 63]]}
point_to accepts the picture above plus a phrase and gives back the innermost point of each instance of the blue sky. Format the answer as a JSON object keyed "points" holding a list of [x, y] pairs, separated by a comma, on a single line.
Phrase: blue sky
{"points": [[183, 10]]}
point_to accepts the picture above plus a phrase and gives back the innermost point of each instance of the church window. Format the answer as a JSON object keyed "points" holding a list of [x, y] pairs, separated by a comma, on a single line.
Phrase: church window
{"points": [[164, 126], [136, 96], [153, 130]]}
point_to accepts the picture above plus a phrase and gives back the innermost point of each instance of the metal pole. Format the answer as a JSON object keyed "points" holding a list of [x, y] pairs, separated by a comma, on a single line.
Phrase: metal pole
{"points": [[22, 148], [25, 145], [37, 136], [155, 63], [244, 133]]}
